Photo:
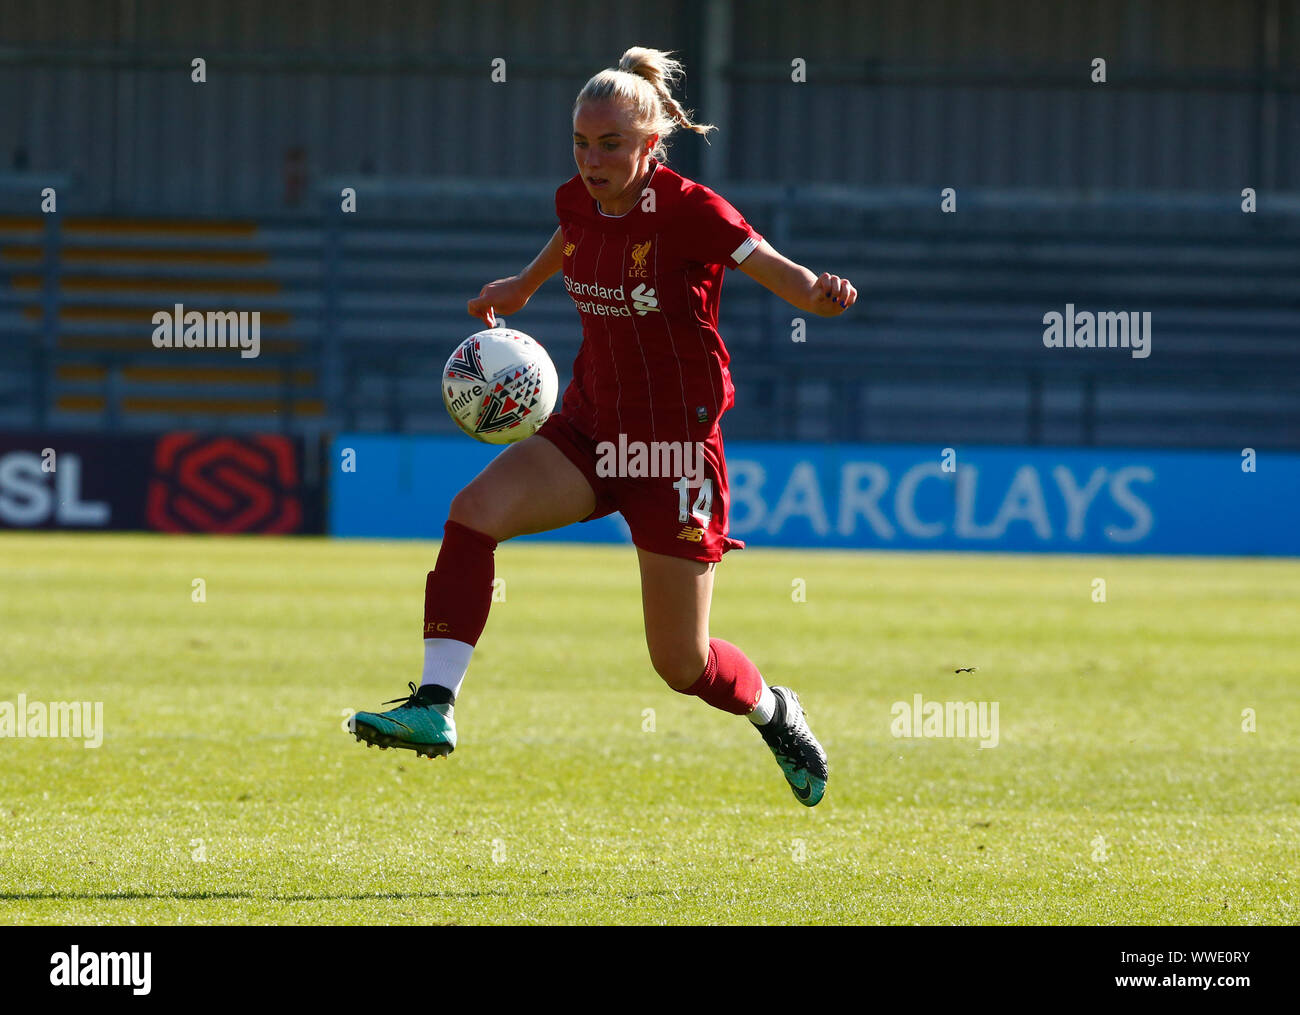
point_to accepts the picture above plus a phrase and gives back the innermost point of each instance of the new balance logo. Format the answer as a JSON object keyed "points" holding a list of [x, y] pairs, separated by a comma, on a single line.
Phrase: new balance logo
{"points": [[644, 300], [691, 535], [569, 248]]}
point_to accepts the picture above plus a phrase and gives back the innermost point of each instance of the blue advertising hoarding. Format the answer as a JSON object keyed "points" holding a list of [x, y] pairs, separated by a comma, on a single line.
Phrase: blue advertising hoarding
{"points": [[906, 497]]}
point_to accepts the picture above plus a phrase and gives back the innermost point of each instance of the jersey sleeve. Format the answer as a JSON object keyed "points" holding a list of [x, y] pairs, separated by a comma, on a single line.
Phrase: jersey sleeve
{"points": [[718, 233]]}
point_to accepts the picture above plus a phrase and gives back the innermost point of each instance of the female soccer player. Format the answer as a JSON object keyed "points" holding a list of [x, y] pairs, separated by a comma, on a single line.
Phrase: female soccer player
{"points": [[642, 250]]}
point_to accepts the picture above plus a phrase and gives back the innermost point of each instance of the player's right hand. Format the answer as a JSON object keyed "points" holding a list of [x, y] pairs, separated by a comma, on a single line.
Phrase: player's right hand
{"points": [[504, 297]]}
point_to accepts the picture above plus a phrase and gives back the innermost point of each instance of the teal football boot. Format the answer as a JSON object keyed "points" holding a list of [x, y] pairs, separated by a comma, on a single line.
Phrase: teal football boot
{"points": [[421, 723], [797, 751]]}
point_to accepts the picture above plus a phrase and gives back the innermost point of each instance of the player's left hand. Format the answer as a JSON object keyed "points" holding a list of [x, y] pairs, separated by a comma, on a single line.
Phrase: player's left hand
{"points": [[834, 295]]}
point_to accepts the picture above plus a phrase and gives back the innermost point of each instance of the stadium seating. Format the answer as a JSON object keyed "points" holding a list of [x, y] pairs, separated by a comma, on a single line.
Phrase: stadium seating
{"points": [[358, 315]]}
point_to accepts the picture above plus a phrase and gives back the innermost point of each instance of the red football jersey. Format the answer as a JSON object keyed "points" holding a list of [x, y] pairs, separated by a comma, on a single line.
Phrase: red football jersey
{"points": [[647, 286]]}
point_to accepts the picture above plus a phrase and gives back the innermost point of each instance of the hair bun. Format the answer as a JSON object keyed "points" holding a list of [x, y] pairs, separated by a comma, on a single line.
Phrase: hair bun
{"points": [[637, 61]]}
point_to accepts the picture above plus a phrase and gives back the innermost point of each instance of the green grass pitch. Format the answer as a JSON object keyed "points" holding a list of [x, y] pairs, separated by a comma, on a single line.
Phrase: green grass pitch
{"points": [[1123, 789]]}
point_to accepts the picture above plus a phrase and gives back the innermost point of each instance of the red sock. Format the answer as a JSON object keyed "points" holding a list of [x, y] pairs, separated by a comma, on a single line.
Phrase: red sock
{"points": [[729, 681], [458, 591]]}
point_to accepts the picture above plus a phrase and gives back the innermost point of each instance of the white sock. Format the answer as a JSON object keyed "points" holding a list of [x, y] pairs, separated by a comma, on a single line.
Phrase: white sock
{"points": [[445, 663], [765, 709]]}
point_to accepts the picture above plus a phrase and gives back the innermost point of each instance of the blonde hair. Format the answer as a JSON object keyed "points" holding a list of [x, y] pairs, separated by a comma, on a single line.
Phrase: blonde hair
{"points": [[642, 82]]}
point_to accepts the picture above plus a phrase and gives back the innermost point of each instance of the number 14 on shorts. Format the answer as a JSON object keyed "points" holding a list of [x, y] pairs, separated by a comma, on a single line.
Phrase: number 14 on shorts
{"points": [[702, 509]]}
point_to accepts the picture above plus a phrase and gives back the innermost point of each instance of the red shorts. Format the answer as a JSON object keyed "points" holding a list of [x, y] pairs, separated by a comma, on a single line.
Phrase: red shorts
{"points": [[673, 500]]}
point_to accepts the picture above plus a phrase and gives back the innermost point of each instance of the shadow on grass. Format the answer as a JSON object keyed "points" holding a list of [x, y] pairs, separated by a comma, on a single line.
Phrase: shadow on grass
{"points": [[273, 897]]}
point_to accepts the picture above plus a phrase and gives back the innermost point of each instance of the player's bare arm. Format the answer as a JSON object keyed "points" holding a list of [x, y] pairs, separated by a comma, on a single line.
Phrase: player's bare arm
{"points": [[825, 295], [508, 296]]}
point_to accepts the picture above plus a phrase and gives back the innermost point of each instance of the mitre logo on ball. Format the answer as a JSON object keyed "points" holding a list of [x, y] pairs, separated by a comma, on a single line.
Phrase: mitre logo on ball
{"points": [[499, 386]]}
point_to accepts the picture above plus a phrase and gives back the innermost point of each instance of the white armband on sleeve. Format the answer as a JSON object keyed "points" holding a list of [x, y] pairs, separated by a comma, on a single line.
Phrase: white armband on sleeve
{"points": [[745, 249]]}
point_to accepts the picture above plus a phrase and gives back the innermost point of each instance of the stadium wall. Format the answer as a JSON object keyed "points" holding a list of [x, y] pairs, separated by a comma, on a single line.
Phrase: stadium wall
{"points": [[832, 496], [1199, 95], [859, 496], [177, 482]]}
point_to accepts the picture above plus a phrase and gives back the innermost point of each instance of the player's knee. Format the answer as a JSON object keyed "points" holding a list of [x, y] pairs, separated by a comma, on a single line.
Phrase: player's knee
{"points": [[679, 668], [471, 508]]}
